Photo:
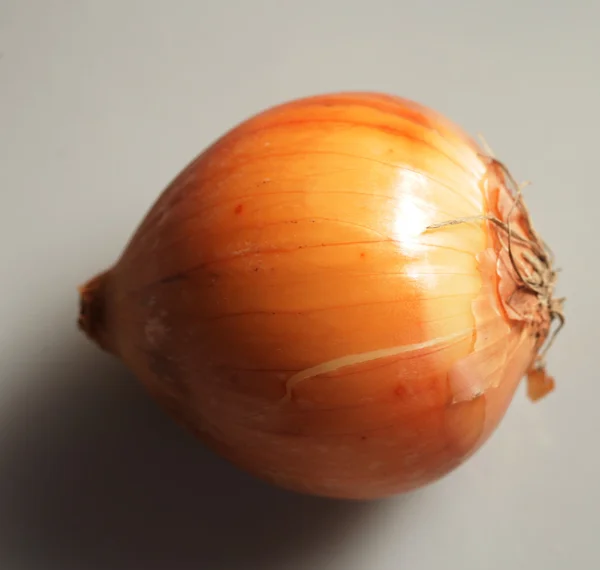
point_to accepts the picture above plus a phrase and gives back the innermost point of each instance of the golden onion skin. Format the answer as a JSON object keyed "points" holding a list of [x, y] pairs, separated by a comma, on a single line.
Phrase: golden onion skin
{"points": [[287, 300]]}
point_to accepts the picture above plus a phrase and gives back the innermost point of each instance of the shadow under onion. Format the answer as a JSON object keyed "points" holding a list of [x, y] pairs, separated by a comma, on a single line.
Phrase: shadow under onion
{"points": [[95, 476]]}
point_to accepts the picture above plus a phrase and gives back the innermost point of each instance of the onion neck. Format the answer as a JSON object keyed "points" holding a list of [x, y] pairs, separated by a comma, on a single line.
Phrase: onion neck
{"points": [[531, 263], [93, 313]]}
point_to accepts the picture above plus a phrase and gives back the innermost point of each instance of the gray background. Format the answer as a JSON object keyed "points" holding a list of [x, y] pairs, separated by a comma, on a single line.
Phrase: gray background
{"points": [[101, 104]]}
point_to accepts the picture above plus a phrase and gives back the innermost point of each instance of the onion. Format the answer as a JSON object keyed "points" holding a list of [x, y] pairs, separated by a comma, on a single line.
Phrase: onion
{"points": [[340, 296]]}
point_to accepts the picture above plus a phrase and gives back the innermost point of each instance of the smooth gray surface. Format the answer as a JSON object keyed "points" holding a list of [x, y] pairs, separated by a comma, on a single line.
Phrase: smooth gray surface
{"points": [[101, 104]]}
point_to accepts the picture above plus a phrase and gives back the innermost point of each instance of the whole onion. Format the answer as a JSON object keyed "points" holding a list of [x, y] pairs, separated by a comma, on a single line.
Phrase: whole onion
{"points": [[340, 296]]}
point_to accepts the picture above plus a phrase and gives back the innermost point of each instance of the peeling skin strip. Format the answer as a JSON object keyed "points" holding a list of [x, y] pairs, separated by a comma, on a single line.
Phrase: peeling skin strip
{"points": [[353, 359]]}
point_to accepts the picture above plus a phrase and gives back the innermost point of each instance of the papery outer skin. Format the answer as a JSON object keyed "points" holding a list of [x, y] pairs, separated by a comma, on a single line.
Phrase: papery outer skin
{"points": [[297, 242]]}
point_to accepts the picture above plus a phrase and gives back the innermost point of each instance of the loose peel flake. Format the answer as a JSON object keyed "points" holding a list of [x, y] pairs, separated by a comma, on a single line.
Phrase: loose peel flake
{"points": [[539, 384], [353, 359], [484, 367]]}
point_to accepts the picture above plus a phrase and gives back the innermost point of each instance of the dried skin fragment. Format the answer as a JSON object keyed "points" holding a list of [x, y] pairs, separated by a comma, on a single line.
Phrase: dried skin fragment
{"points": [[539, 384]]}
